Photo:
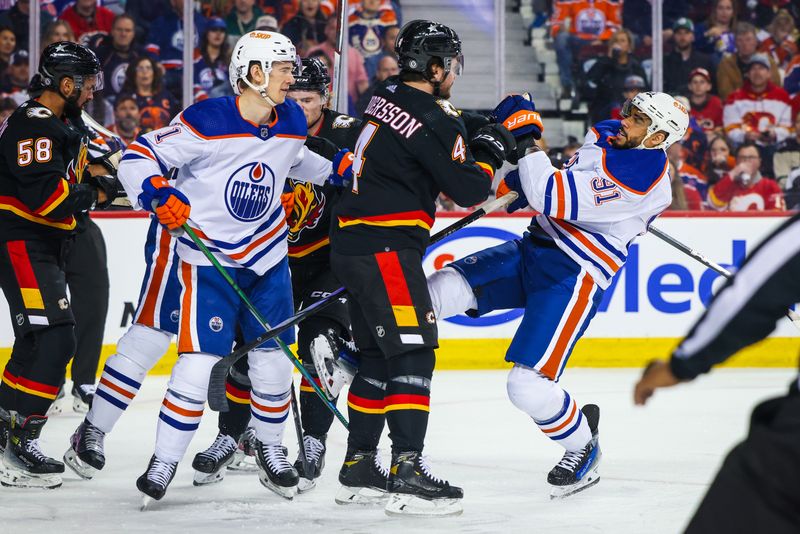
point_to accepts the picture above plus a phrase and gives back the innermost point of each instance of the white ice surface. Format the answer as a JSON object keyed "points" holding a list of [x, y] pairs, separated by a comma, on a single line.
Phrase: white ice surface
{"points": [[657, 463]]}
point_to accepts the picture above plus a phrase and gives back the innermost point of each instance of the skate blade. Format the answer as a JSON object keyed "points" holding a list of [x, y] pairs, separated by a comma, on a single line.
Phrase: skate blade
{"points": [[85, 471], [400, 504], [305, 485], [54, 409], [78, 406], [361, 496], [12, 478], [146, 500], [204, 479], [287, 493], [561, 492], [243, 462]]}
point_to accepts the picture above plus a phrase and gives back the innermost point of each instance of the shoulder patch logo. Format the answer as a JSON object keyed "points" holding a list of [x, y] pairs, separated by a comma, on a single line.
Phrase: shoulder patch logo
{"points": [[343, 121], [39, 113], [448, 108], [391, 88]]}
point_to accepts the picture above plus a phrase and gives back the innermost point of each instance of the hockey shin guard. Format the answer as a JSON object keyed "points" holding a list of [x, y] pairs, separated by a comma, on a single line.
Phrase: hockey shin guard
{"points": [[553, 410], [365, 402], [22, 352], [137, 352], [183, 405], [237, 389], [42, 375], [407, 402], [271, 377]]}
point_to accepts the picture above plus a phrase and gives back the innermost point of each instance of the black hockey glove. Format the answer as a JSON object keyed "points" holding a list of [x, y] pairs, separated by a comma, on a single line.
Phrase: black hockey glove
{"points": [[109, 161], [321, 146], [493, 144], [109, 185]]}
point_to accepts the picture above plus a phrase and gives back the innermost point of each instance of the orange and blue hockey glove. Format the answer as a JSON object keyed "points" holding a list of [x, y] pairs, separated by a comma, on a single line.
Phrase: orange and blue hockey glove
{"points": [[342, 175]]}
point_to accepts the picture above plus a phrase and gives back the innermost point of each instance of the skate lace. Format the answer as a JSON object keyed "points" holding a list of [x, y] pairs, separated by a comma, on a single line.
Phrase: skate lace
{"points": [[160, 472], [35, 450], [426, 468], [383, 470], [276, 458], [314, 448], [571, 460], [93, 438], [221, 447]]}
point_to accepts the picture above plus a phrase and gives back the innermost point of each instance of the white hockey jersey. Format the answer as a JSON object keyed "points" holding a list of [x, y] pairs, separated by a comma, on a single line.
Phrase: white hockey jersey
{"points": [[600, 201], [233, 173]]}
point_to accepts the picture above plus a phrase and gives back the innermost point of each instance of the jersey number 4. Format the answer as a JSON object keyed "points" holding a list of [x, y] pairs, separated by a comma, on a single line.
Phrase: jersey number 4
{"points": [[364, 139], [29, 150]]}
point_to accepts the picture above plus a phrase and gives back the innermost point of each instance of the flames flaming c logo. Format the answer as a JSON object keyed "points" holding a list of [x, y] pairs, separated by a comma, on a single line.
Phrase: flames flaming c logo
{"points": [[309, 202]]}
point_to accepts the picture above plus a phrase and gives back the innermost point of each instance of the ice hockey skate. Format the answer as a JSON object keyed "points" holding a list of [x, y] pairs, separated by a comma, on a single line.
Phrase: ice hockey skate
{"points": [[415, 491], [275, 472], [25, 465], [336, 362], [244, 458], [209, 465], [364, 480], [315, 456], [86, 455], [153, 483], [577, 470], [82, 397]]}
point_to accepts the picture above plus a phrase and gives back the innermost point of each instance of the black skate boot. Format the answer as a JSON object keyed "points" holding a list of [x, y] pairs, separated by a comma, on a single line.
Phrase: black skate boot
{"points": [[315, 456], [26, 466], [578, 470], [364, 480], [274, 470], [210, 464], [82, 396], [414, 490], [244, 458], [153, 483], [85, 455]]}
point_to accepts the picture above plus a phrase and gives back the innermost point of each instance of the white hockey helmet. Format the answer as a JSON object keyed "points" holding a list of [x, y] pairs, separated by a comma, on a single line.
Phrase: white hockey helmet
{"points": [[265, 48], [666, 114]]}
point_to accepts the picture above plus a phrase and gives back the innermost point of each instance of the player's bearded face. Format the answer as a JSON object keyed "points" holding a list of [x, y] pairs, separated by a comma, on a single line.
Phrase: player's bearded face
{"points": [[447, 85], [633, 130]]}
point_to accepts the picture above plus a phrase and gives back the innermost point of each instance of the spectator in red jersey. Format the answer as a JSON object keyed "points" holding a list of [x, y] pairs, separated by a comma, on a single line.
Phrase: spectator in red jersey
{"points": [[307, 28], [744, 188], [706, 108], [732, 69], [683, 59], [719, 159], [781, 45], [126, 119], [758, 112], [144, 80], [87, 18]]}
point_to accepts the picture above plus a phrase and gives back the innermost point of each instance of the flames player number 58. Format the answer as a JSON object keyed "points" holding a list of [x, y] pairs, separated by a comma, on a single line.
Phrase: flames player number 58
{"points": [[364, 138]]}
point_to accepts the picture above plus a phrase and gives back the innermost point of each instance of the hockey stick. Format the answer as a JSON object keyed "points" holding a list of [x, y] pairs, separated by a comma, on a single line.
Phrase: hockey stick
{"points": [[217, 400], [791, 314], [298, 428]]}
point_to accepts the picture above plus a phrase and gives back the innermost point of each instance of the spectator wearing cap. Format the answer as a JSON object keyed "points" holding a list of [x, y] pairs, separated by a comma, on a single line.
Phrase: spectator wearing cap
{"points": [[87, 18], [307, 28], [781, 45], [683, 59], [609, 73], [705, 108], [267, 23], [787, 156], [576, 24], [211, 62], [731, 70], [14, 82], [715, 36], [745, 188], [633, 86], [126, 119], [759, 112], [115, 52], [242, 19], [8, 42], [366, 27], [18, 18]]}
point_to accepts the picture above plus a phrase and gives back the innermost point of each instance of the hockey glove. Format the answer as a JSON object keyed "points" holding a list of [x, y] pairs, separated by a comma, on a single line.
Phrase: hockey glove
{"points": [[170, 205], [287, 199], [109, 161], [518, 114], [321, 146], [342, 175], [109, 185], [492, 144], [511, 182]]}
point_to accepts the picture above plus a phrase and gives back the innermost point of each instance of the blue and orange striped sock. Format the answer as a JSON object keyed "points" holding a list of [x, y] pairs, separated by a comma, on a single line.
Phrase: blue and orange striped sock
{"points": [[177, 422], [118, 385]]}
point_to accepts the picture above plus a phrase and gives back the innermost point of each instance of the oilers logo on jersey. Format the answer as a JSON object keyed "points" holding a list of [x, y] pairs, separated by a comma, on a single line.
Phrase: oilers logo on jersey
{"points": [[248, 193]]}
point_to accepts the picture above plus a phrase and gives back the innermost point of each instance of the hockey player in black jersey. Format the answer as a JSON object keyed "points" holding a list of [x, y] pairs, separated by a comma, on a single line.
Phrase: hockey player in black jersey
{"points": [[44, 182], [413, 145], [325, 334]]}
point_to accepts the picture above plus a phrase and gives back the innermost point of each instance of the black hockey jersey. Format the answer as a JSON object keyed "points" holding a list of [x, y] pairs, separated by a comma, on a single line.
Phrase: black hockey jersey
{"points": [[412, 146], [39, 158], [309, 222]]}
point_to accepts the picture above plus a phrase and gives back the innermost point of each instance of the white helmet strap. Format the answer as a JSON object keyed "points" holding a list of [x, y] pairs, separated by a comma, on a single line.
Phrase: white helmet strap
{"points": [[264, 87]]}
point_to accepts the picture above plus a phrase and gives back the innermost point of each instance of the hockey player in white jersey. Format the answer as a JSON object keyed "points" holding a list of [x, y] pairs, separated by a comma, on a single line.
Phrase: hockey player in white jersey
{"points": [[589, 212], [233, 155]]}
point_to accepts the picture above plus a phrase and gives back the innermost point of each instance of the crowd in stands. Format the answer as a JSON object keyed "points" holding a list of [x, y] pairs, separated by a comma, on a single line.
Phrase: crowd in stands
{"points": [[737, 71]]}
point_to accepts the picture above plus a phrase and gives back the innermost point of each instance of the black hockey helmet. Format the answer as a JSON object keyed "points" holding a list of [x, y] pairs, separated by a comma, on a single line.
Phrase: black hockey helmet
{"points": [[313, 77], [66, 60], [419, 41]]}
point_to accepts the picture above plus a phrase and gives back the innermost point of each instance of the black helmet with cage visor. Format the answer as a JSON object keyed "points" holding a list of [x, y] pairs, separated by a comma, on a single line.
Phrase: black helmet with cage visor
{"points": [[420, 41], [313, 76]]}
